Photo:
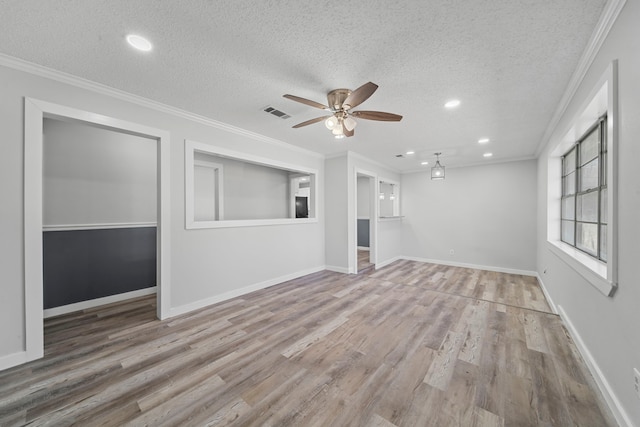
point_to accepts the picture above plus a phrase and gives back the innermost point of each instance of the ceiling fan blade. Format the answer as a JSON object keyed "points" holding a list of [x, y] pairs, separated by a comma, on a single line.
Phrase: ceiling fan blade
{"points": [[306, 101], [359, 95], [310, 122], [377, 115]]}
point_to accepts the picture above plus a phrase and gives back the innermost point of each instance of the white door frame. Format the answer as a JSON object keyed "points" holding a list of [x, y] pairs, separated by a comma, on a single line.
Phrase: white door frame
{"points": [[373, 218], [35, 112]]}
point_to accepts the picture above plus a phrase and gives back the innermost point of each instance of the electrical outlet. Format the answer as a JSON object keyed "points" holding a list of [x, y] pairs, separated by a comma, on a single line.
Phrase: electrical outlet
{"points": [[451, 252], [636, 381]]}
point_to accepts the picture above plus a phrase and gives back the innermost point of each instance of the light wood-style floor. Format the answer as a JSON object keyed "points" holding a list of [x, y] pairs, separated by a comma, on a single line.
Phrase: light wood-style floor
{"points": [[364, 265], [412, 344]]}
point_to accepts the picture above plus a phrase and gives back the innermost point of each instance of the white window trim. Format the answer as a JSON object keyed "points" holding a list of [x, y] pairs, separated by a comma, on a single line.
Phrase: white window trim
{"points": [[190, 147], [602, 100]]}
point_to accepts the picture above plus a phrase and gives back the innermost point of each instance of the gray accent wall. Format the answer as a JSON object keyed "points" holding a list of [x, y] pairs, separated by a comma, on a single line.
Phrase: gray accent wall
{"points": [[363, 233], [82, 265]]}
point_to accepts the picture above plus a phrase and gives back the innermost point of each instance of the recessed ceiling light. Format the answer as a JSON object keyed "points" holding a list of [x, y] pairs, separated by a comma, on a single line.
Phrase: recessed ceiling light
{"points": [[424, 163], [410, 153], [488, 154], [483, 140], [139, 42], [452, 104]]}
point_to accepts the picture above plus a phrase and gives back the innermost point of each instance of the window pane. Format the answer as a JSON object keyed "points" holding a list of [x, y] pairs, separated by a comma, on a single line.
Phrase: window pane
{"points": [[603, 176], [569, 162], [569, 208], [589, 147], [603, 242], [587, 237], [569, 184], [587, 207], [589, 175], [604, 214], [568, 232]]}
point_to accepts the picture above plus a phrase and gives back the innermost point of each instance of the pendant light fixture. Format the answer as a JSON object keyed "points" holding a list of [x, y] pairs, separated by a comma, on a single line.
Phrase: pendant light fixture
{"points": [[437, 171]]}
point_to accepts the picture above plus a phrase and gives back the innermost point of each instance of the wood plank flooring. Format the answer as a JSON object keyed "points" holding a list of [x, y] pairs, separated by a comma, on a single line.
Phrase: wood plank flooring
{"points": [[364, 265], [412, 344]]}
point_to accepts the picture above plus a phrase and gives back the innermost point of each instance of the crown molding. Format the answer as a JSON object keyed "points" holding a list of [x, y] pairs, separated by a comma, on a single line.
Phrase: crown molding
{"points": [[70, 79], [609, 15]]}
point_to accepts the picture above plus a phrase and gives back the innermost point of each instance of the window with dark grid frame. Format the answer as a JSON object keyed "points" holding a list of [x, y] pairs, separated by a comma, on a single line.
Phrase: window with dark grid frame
{"points": [[584, 193]]}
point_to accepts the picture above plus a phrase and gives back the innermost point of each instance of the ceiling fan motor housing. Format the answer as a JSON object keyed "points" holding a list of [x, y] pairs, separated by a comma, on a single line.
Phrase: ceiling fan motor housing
{"points": [[336, 97]]}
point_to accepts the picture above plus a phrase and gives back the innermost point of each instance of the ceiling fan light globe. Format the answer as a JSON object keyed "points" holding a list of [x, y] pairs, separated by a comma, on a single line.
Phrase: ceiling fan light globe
{"points": [[331, 122], [350, 124]]}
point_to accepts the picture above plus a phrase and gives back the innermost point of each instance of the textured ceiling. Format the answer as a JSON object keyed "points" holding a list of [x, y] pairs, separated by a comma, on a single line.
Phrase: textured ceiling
{"points": [[508, 61]]}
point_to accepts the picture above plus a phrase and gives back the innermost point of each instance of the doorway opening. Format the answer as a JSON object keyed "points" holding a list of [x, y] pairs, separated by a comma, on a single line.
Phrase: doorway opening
{"points": [[366, 221], [36, 112], [99, 216]]}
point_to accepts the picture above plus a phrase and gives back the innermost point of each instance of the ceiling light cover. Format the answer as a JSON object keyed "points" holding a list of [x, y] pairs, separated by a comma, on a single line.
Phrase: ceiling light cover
{"points": [[350, 124], [483, 140], [488, 154], [139, 42], [331, 122], [452, 104], [437, 171]]}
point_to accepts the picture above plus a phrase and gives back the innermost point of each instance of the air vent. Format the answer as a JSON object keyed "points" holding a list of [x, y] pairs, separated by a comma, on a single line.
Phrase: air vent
{"points": [[276, 112], [399, 155]]}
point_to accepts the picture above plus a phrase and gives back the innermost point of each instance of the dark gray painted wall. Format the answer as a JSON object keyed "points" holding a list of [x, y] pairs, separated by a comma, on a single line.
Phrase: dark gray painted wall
{"points": [[81, 265], [363, 233]]}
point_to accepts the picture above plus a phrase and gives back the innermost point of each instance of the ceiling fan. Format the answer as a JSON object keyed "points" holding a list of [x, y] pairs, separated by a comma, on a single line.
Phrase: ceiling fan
{"points": [[341, 120]]}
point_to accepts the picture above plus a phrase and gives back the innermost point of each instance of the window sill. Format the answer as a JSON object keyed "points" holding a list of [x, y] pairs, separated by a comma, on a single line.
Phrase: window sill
{"points": [[248, 223], [594, 271], [390, 218]]}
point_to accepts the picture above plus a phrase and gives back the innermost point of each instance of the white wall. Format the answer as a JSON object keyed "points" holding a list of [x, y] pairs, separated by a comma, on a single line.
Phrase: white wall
{"points": [[97, 176], [363, 197], [206, 263], [336, 214], [342, 212], [608, 326], [485, 214]]}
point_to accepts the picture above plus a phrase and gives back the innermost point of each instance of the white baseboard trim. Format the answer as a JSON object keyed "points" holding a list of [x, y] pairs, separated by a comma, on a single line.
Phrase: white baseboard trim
{"points": [[475, 266], [186, 308], [363, 248], [83, 305], [388, 261], [547, 296], [337, 269], [610, 397], [14, 359]]}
